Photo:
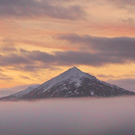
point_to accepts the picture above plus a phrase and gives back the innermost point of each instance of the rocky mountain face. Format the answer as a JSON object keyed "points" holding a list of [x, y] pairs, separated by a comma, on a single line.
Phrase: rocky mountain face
{"points": [[72, 83]]}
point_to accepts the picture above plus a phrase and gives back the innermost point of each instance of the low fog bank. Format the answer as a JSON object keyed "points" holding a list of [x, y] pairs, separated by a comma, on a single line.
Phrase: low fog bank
{"points": [[79, 116]]}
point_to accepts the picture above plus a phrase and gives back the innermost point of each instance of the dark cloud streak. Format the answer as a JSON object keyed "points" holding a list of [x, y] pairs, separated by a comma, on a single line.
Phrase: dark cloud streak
{"points": [[13, 59], [36, 60], [119, 49], [43, 8]]}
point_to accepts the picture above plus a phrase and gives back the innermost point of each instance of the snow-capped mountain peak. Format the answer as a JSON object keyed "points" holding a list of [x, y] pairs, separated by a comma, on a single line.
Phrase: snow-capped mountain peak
{"points": [[71, 83], [72, 75], [72, 72]]}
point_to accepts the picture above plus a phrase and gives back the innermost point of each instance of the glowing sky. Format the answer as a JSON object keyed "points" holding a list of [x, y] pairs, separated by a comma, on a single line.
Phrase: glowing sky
{"points": [[41, 38]]}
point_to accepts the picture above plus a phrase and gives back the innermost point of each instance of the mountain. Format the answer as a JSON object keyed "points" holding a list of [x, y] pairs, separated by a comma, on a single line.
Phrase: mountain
{"points": [[12, 90], [72, 83], [20, 94]]}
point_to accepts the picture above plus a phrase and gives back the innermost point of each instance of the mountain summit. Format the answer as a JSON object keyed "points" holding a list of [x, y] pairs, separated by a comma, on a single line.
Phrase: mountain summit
{"points": [[71, 83]]}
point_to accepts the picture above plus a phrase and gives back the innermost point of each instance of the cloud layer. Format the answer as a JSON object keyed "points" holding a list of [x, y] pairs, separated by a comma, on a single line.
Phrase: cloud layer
{"points": [[98, 51], [42, 8], [107, 50]]}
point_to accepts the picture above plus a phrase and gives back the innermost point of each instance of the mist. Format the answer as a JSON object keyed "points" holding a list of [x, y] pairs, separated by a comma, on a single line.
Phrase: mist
{"points": [[76, 116]]}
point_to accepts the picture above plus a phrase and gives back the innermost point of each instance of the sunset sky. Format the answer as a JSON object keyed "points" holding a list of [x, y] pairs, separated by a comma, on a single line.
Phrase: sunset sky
{"points": [[40, 39]]}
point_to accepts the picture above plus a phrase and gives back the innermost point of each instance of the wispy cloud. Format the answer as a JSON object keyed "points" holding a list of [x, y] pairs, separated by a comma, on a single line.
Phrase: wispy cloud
{"points": [[5, 77], [105, 76], [7, 46], [24, 77], [124, 4]]}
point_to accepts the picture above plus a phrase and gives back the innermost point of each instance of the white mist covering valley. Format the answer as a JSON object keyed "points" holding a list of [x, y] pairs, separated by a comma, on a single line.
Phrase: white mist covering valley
{"points": [[70, 116]]}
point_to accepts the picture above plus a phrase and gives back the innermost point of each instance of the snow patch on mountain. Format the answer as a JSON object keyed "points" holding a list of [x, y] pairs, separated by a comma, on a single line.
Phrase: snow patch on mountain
{"points": [[73, 75]]}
